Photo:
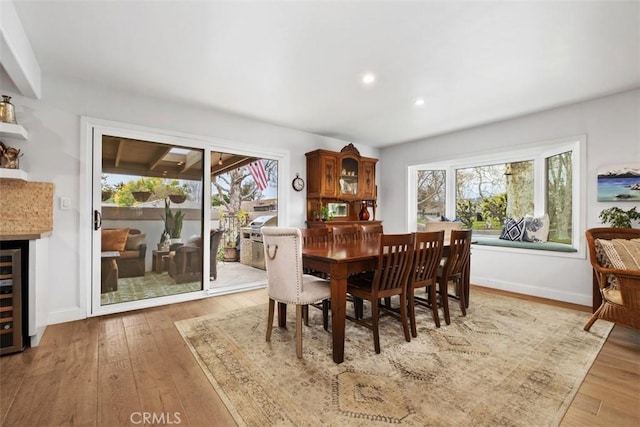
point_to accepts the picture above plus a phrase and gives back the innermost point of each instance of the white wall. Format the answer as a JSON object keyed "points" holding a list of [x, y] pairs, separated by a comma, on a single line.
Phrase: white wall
{"points": [[53, 153], [612, 127]]}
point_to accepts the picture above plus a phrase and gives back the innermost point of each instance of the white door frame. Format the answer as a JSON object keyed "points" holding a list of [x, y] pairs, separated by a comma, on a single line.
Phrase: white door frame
{"points": [[89, 197]]}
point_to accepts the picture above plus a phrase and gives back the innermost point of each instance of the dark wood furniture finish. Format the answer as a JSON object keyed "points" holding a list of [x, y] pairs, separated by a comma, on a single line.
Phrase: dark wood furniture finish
{"points": [[344, 177], [429, 248], [339, 261], [11, 339], [345, 233], [456, 269], [395, 257]]}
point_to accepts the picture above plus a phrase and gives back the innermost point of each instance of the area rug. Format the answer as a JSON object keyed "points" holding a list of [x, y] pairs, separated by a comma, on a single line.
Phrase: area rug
{"points": [[509, 362], [151, 285]]}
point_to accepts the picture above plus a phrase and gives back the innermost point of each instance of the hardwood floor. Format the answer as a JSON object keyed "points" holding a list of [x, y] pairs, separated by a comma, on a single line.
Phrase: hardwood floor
{"points": [[115, 370]]}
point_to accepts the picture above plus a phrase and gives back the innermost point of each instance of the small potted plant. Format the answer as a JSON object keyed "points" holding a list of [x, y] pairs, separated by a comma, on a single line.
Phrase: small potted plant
{"points": [[141, 190], [327, 215], [619, 218], [178, 194], [172, 222]]}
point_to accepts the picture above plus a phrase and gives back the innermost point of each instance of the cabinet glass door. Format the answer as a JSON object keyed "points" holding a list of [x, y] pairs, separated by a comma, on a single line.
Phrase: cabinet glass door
{"points": [[349, 177]]}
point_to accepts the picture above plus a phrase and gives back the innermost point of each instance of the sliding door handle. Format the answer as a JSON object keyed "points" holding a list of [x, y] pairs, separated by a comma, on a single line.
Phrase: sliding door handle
{"points": [[97, 220]]}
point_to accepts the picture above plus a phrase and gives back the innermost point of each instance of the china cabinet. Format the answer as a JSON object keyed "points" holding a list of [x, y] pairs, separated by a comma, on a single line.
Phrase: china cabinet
{"points": [[343, 183]]}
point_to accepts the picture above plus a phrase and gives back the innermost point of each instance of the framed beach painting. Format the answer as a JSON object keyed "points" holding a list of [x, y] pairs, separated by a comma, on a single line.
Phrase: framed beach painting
{"points": [[619, 184]]}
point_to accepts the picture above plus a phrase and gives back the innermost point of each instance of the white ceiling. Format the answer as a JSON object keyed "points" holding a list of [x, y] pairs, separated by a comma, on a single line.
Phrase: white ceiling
{"points": [[299, 64]]}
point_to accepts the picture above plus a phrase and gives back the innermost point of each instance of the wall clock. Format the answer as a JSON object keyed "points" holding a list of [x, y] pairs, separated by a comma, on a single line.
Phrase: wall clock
{"points": [[297, 183]]}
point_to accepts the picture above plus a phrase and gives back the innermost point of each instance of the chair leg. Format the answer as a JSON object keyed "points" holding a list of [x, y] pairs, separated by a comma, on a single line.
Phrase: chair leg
{"points": [[403, 316], [305, 314], [444, 296], [463, 303], [325, 314], [358, 308], [593, 318], [375, 323], [433, 297], [270, 318], [299, 330], [412, 312]]}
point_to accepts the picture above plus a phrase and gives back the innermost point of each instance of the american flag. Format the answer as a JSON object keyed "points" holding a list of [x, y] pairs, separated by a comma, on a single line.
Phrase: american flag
{"points": [[258, 173]]}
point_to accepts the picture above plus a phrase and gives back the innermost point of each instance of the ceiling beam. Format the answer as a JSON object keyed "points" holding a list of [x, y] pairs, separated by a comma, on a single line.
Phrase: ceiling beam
{"points": [[156, 161], [16, 55], [119, 151]]}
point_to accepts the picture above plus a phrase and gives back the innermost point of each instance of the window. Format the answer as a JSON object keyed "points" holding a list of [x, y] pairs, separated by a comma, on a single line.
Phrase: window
{"points": [[484, 192]]}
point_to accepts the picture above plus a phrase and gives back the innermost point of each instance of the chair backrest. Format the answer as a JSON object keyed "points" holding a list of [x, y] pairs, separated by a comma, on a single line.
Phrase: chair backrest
{"points": [[429, 247], [447, 226], [368, 231], [394, 262], [315, 235], [459, 249], [345, 233], [607, 233], [283, 260]]}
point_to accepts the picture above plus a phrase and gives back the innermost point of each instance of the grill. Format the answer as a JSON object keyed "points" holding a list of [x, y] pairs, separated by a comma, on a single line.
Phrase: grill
{"points": [[255, 235]]}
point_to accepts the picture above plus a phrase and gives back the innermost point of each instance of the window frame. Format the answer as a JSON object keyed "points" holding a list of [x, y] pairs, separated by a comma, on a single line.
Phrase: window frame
{"points": [[536, 151]]}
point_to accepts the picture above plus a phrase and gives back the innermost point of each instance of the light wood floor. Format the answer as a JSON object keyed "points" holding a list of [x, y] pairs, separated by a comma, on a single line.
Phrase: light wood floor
{"points": [[110, 370]]}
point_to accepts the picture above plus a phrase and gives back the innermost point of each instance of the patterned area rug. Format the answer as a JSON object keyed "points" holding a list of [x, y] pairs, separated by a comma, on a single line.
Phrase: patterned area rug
{"points": [[509, 362], [151, 285]]}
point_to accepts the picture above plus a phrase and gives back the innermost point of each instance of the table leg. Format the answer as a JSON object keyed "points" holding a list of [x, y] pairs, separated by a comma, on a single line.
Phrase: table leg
{"points": [[338, 309]]}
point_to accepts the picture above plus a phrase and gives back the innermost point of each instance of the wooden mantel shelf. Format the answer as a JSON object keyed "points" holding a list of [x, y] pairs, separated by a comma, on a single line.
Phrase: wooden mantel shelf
{"points": [[26, 235]]}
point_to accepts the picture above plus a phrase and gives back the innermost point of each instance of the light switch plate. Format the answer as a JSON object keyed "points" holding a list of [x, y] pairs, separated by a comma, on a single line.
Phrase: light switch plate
{"points": [[65, 203]]}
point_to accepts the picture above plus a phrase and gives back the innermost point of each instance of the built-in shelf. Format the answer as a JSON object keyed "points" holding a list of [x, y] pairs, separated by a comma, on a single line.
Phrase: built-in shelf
{"points": [[13, 174], [10, 130]]}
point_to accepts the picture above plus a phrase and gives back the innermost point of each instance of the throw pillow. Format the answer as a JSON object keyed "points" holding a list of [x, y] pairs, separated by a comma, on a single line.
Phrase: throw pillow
{"points": [[536, 229], [134, 241], [114, 239], [621, 254], [513, 229]]}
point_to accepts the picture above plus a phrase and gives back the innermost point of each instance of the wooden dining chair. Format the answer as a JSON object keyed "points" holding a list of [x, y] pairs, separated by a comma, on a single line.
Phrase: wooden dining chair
{"points": [[345, 233], [285, 281], [315, 235], [453, 271], [312, 236], [389, 279], [368, 231], [424, 274]]}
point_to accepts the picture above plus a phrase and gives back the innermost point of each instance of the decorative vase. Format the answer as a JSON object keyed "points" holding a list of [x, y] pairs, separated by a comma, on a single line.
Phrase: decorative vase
{"points": [[7, 111], [364, 213]]}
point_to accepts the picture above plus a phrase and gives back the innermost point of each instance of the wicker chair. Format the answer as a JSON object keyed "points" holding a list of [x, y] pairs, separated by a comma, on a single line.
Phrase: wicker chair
{"points": [[621, 300]]}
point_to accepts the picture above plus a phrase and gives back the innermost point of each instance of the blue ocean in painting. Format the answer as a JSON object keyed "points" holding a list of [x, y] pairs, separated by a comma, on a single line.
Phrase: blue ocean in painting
{"points": [[616, 189]]}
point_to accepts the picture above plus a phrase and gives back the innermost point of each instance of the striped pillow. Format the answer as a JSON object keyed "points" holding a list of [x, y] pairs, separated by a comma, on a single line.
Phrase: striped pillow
{"points": [[621, 254]]}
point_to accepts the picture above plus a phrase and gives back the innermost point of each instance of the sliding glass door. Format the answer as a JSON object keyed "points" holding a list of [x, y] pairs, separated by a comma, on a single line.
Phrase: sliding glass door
{"points": [[148, 219]]}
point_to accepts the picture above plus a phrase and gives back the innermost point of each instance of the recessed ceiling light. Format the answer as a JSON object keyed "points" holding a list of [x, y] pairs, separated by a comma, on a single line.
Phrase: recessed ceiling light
{"points": [[368, 78], [419, 102]]}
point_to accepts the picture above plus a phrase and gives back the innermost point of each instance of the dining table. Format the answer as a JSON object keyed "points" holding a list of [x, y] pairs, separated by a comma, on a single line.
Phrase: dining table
{"points": [[339, 261]]}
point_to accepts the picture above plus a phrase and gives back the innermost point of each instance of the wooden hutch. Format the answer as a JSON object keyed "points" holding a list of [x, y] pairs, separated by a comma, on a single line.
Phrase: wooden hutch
{"points": [[344, 183]]}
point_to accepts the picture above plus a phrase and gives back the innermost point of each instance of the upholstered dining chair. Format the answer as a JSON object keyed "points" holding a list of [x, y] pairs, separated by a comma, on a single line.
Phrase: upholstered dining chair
{"points": [[389, 279], [615, 258], [286, 282], [345, 233], [368, 231], [453, 271], [424, 274]]}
